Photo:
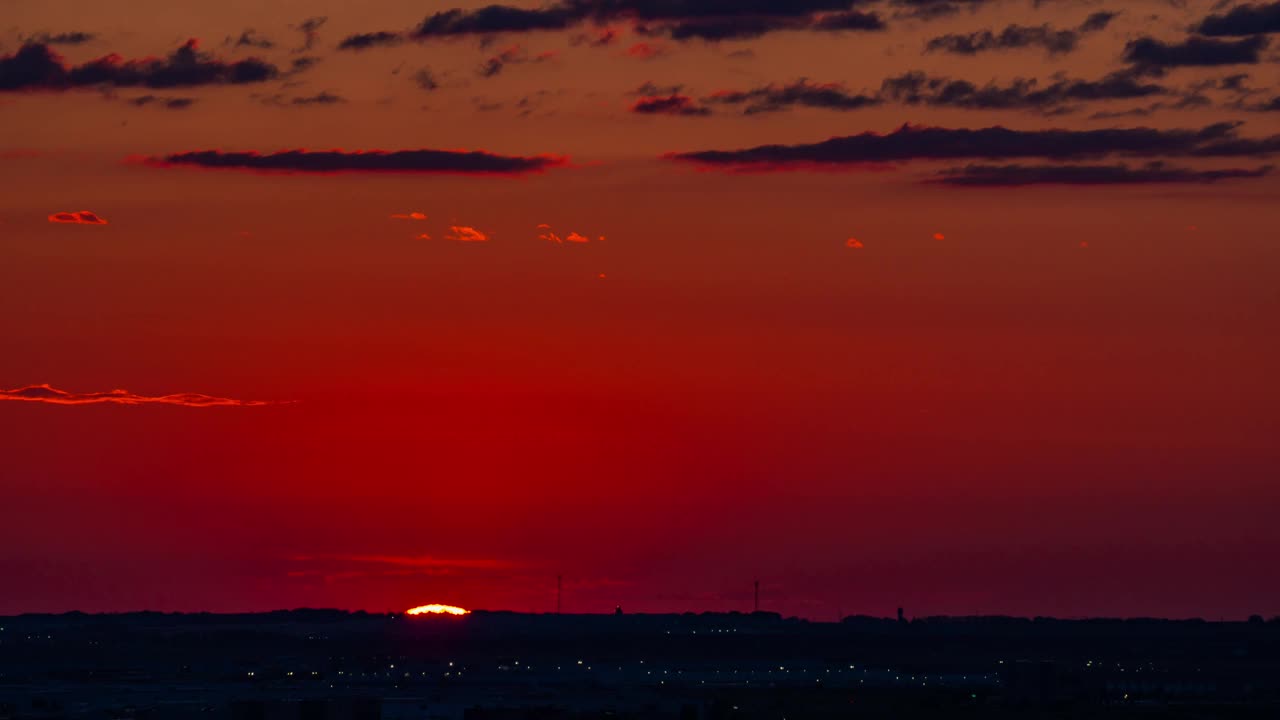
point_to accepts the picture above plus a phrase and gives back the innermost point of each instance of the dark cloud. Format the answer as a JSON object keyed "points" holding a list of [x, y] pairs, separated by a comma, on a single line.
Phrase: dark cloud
{"points": [[932, 9], [514, 55], [1098, 21], [492, 19], [302, 64], [669, 105], [1120, 174], [53, 396], [1248, 19], [1060, 95], [310, 29], [1015, 37], [250, 38], [463, 162], [912, 142], [364, 41], [168, 103], [1272, 105], [849, 20], [1155, 56], [726, 28], [679, 19], [36, 67], [772, 98]]}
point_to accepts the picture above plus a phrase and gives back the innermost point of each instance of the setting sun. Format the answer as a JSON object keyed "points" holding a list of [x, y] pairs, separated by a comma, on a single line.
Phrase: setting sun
{"points": [[437, 610]]}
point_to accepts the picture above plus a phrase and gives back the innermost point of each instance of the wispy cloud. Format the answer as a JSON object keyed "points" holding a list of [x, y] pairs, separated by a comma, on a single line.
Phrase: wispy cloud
{"points": [[463, 233], [53, 396], [545, 233], [80, 217]]}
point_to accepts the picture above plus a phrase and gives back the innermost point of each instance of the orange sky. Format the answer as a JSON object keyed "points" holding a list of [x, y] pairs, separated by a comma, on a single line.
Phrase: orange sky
{"points": [[1063, 406]]}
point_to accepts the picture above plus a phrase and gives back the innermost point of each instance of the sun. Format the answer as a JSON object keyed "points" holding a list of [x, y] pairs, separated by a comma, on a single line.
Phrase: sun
{"points": [[437, 610]]}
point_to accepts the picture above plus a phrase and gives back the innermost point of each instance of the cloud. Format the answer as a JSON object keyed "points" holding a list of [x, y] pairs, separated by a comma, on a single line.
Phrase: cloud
{"points": [[82, 217], [36, 67], [651, 88], [600, 38], [933, 9], [548, 235], [166, 102], [1272, 105], [1016, 37], [849, 20], [1154, 56], [475, 162], [491, 19], [679, 19], [410, 216], [772, 98], [514, 55], [364, 41], [669, 105], [53, 396], [1120, 174], [917, 88], [1247, 19], [250, 38], [321, 98], [462, 233], [65, 38], [915, 142], [644, 51], [310, 29], [426, 79]]}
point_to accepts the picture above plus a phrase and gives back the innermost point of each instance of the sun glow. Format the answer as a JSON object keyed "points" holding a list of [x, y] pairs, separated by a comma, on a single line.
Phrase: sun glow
{"points": [[437, 610]]}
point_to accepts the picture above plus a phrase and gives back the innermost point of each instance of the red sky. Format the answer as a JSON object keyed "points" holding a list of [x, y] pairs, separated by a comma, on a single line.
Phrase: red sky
{"points": [[1064, 406]]}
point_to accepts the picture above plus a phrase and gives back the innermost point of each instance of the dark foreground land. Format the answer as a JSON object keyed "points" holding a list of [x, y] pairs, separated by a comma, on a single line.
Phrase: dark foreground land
{"points": [[330, 665]]}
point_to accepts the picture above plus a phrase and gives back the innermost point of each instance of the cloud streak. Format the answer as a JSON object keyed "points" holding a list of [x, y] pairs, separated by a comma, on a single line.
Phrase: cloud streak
{"points": [[1015, 37], [914, 142], [53, 396], [460, 162], [802, 93], [1120, 174], [669, 105], [466, 234]]}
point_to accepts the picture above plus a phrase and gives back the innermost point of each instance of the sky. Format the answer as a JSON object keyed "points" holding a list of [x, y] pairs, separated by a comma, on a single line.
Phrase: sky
{"points": [[963, 306]]}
